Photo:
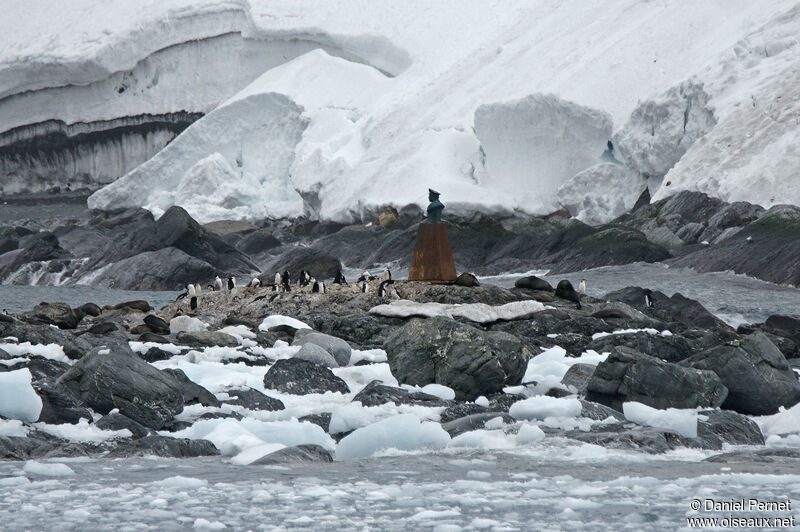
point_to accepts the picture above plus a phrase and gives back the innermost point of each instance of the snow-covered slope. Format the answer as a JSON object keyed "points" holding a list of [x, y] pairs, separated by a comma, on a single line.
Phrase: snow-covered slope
{"points": [[424, 108]]}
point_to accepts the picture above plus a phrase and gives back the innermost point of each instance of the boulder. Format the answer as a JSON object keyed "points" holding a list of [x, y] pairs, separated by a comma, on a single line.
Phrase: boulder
{"points": [[376, 394], [314, 353], [153, 337], [74, 347], [253, 400], [471, 361], [163, 446], [296, 455], [58, 314], [460, 410], [117, 421], [104, 382], [627, 375], [192, 392], [731, 428], [577, 377], [300, 377], [474, 422], [670, 348], [206, 339], [758, 378], [58, 405], [165, 269], [338, 348], [104, 327], [258, 242], [467, 279]]}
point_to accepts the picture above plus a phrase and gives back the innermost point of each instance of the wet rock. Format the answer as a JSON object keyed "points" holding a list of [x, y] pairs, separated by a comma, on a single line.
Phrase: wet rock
{"points": [[730, 427], [317, 262], [156, 324], [769, 455], [598, 412], [467, 279], [206, 339], [258, 242], [670, 348], [152, 337], [35, 445], [117, 421], [89, 309], [104, 382], [577, 377], [296, 455], [165, 269], [253, 400], [163, 446], [627, 375], [300, 377], [460, 410], [135, 305], [317, 355], [376, 394], [669, 309], [104, 327], [758, 378], [474, 422], [192, 392], [647, 439], [322, 420], [58, 405], [338, 348], [471, 361], [58, 314]]}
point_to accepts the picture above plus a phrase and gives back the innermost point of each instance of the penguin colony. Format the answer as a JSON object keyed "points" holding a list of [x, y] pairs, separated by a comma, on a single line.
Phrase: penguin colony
{"points": [[285, 282]]}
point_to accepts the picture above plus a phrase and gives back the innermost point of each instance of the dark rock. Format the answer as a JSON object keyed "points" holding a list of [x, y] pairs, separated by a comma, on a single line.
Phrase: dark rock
{"points": [[471, 361], [729, 427], [769, 455], [152, 337], [163, 446], [35, 445], [156, 324], [58, 314], [758, 378], [164, 269], [253, 400], [258, 242], [460, 410], [627, 375], [104, 327], [643, 200], [473, 422], [338, 348], [316, 262], [607, 246], [117, 421], [300, 377], [467, 279], [670, 348], [206, 339], [533, 283], [558, 392], [296, 455], [502, 402], [234, 319], [669, 309], [598, 412], [577, 377], [647, 439], [74, 347], [376, 394], [317, 355], [154, 354], [192, 392], [126, 382], [323, 420], [58, 405]]}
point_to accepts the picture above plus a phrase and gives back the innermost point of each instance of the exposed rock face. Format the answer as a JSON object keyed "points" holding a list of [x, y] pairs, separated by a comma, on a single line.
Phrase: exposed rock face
{"points": [[124, 381], [58, 314], [300, 377], [336, 347], [470, 361], [163, 446], [192, 393], [253, 400], [295, 455], [317, 355], [74, 347], [117, 421], [758, 378], [376, 394], [627, 375]]}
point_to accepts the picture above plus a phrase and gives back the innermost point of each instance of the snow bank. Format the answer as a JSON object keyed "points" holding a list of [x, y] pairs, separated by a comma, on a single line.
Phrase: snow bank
{"points": [[277, 319], [602, 192], [682, 421], [543, 406], [186, 324], [18, 399], [477, 312], [82, 432], [535, 144], [403, 432], [49, 351]]}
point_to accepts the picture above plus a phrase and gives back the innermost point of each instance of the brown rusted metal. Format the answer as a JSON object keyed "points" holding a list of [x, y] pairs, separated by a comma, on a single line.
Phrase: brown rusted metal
{"points": [[433, 258]]}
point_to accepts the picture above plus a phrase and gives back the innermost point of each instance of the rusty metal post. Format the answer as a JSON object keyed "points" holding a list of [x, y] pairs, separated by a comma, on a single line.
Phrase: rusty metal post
{"points": [[433, 258]]}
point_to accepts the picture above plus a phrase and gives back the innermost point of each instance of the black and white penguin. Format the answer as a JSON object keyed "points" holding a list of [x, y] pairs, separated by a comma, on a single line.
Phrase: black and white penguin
{"points": [[198, 289], [278, 279], [648, 298], [191, 291], [364, 287], [339, 278], [582, 286], [193, 302], [231, 283], [286, 282], [315, 288], [564, 290], [308, 277], [218, 287], [387, 274], [382, 288], [254, 283]]}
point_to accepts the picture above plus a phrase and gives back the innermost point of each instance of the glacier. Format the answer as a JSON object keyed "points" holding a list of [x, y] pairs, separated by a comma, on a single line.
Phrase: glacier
{"points": [[392, 99]]}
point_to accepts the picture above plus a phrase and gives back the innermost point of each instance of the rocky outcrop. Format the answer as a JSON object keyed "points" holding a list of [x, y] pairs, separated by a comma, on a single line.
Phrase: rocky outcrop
{"points": [[470, 361], [300, 377]]}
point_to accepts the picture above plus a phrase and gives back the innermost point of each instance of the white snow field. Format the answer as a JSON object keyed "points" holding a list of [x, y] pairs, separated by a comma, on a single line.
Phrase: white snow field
{"points": [[337, 110]]}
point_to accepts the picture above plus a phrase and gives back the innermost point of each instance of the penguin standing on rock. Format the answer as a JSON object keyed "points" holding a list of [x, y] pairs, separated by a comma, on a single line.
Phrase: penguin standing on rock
{"points": [[315, 287], [564, 290], [192, 293], [387, 274], [255, 282], [285, 281], [198, 289], [383, 288], [231, 283], [364, 287], [582, 286], [339, 278], [218, 284]]}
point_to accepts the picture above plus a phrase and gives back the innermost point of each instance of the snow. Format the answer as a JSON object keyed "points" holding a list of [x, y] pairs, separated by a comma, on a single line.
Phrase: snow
{"points": [[370, 355], [186, 324], [682, 421], [49, 351], [381, 100], [276, 319], [82, 432], [440, 391], [647, 330], [477, 312], [483, 439], [785, 422], [50, 469], [542, 406], [356, 377], [13, 427], [549, 367], [404, 432], [18, 399]]}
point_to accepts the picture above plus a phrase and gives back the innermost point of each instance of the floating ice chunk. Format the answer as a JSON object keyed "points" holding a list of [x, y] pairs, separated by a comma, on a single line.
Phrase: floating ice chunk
{"points": [[529, 433], [32, 467], [403, 432], [483, 439], [251, 454], [186, 324], [18, 399], [180, 482], [440, 391], [351, 416], [205, 524], [13, 427], [237, 435], [482, 401], [542, 406], [278, 319], [682, 421], [784, 422], [49, 351], [83, 432]]}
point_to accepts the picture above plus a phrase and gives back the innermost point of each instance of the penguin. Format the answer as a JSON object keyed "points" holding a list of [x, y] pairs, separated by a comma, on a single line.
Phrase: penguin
{"points": [[564, 290], [285, 280], [278, 279], [582, 286], [387, 274], [198, 289], [749, 239], [315, 288], [254, 283], [382, 290], [231, 283], [308, 277], [193, 303], [191, 291], [339, 278], [648, 298], [218, 284], [321, 287], [364, 288]]}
